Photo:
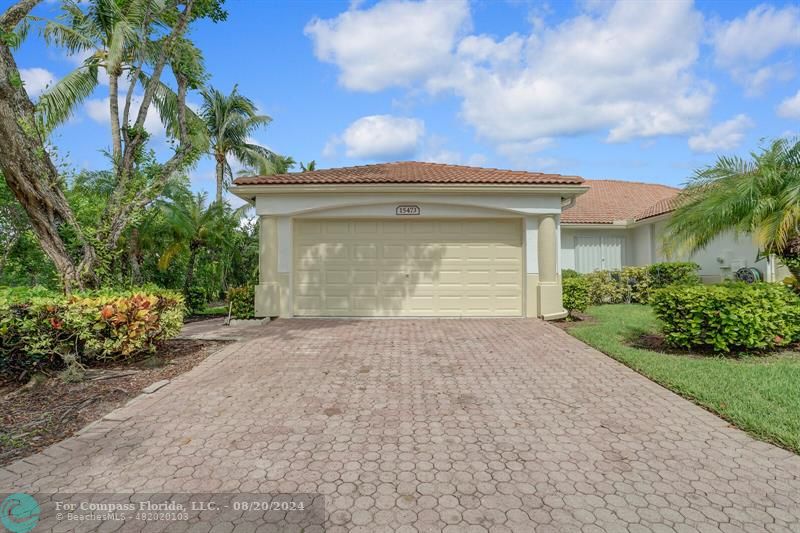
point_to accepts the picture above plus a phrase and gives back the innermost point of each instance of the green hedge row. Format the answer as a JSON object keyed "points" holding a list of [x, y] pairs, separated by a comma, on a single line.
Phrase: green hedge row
{"points": [[41, 330], [728, 317], [629, 285]]}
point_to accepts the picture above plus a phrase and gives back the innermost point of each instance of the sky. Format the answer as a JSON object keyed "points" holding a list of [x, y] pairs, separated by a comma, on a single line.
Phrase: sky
{"points": [[631, 90]]}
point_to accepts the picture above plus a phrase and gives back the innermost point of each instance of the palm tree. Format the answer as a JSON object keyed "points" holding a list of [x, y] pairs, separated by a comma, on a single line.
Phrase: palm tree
{"points": [[275, 164], [760, 196], [308, 167], [231, 120], [193, 225]]}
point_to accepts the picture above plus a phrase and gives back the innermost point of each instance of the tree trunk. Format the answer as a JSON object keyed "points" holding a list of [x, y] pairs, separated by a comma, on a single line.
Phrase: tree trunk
{"points": [[27, 167], [220, 178], [133, 257], [113, 107], [187, 283]]}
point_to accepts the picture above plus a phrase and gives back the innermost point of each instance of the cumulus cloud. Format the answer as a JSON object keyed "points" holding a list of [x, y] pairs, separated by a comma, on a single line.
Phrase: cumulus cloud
{"points": [[391, 43], [724, 136], [36, 80], [382, 137], [760, 33], [790, 108], [625, 69], [98, 111], [743, 44]]}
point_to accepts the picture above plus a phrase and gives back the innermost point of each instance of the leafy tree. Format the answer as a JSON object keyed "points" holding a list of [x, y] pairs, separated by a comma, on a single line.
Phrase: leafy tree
{"points": [[138, 39], [230, 121], [760, 196], [311, 166]]}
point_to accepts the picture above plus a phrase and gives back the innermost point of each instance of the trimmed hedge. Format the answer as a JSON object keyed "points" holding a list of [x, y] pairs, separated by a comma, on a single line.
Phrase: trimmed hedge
{"points": [[635, 284], [575, 294], [729, 317], [678, 273], [41, 330], [242, 300]]}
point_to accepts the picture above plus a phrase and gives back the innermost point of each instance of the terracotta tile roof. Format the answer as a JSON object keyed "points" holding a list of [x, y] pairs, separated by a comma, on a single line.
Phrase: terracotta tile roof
{"points": [[410, 172], [610, 200], [659, 208]]}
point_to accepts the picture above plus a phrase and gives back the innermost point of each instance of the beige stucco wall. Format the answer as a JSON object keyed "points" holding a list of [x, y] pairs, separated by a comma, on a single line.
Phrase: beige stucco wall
{"points": [[720, 259], [644, 246], [538, 214]]}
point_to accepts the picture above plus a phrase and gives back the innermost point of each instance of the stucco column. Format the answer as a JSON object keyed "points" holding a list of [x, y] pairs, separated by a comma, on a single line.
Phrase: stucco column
{"points": [[550, 303], [267, 297], [547, 249]]}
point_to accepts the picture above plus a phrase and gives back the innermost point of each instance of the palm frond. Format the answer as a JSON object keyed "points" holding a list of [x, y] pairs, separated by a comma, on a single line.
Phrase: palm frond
{"points": [[58, 103]]}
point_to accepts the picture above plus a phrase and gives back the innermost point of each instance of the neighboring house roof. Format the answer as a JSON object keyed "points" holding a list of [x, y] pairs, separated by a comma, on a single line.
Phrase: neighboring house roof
{"points": [[608, 201], [411, 172]]}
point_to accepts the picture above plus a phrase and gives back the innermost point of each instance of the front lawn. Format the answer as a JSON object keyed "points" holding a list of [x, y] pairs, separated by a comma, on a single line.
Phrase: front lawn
{"points": [[759, 394]]}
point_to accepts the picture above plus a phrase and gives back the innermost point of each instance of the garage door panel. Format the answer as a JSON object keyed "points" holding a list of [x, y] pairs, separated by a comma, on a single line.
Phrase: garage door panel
{"points": [[408, 268]]}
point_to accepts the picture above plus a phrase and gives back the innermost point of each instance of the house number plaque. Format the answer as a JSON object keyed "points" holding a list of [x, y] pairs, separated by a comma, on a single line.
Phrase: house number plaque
{"points": [[407, 210]]}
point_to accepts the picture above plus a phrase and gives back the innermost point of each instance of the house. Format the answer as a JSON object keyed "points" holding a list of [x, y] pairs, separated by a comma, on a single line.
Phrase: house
{"points": [[409, 239], [622, 223], [428, 239]]}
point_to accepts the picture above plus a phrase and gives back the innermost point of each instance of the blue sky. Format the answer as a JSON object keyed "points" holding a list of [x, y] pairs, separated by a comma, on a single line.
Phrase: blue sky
{"points": [[644, 91]]}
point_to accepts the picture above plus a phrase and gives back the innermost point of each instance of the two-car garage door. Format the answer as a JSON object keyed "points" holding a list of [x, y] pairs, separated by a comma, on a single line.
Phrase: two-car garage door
{"points": [[364, 267]]}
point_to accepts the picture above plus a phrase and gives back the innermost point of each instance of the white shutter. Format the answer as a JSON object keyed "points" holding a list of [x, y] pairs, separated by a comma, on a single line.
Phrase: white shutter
{"points": [[588, 254], [612, 253], [598, 253]]}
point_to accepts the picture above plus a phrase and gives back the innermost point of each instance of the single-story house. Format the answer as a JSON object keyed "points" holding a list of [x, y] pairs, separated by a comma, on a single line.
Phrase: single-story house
{"points": [[621, 223], [427, 239]]}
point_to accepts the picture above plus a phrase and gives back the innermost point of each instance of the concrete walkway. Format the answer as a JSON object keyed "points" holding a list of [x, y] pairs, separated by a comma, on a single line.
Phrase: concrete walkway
{"points": [[429, 425]]}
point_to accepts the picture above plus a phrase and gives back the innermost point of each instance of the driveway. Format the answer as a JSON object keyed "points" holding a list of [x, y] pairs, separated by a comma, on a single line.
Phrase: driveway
{"points": [[462, 425]]}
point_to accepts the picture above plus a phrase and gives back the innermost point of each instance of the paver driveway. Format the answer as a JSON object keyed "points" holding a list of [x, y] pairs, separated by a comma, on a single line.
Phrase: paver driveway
{"points": [[435, 424]]}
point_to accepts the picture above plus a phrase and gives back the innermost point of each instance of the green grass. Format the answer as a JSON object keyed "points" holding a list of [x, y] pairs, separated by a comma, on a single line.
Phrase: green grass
{"points": [[214, 311], [759, 394]]}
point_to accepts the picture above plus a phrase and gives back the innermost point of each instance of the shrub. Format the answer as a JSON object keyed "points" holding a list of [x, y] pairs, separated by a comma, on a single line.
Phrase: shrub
{"points": [[195, 298], [568, 273], [40, 330], [605, 287], [666, 274], [635, 284], [729, 317], [575, 294], [242, 300]]}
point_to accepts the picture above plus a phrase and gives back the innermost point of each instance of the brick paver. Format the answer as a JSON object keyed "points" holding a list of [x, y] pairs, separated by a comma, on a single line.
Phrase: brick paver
{"points": [[429, 425]]}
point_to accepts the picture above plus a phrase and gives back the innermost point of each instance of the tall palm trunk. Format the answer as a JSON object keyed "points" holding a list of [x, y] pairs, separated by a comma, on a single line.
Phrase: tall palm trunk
{"points": [[220, 177], [187, 282]]}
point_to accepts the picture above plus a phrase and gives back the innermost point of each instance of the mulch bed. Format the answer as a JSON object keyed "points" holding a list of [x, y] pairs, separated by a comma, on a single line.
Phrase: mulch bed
{"points": [[36, 416]]}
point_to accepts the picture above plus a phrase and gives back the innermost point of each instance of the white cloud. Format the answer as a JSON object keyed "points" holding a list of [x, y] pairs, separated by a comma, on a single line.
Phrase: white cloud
{"points": [[790, 108], [98, 110], [392, 43], [36, 80], [724, 136], [743, 44], [757, 35], [625, 68], [382, 137]]}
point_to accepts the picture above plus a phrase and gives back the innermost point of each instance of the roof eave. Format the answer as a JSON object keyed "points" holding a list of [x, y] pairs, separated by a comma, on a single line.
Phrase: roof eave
{"points": [[249, 192]]}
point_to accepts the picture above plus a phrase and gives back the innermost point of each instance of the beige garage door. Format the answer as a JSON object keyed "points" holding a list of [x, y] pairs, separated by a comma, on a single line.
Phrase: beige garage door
{"points": [[408, 267]]}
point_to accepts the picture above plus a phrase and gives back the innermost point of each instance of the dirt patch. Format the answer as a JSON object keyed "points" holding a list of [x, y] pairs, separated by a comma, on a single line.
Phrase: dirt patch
{"points": [[32, 418], [577, 318]]}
